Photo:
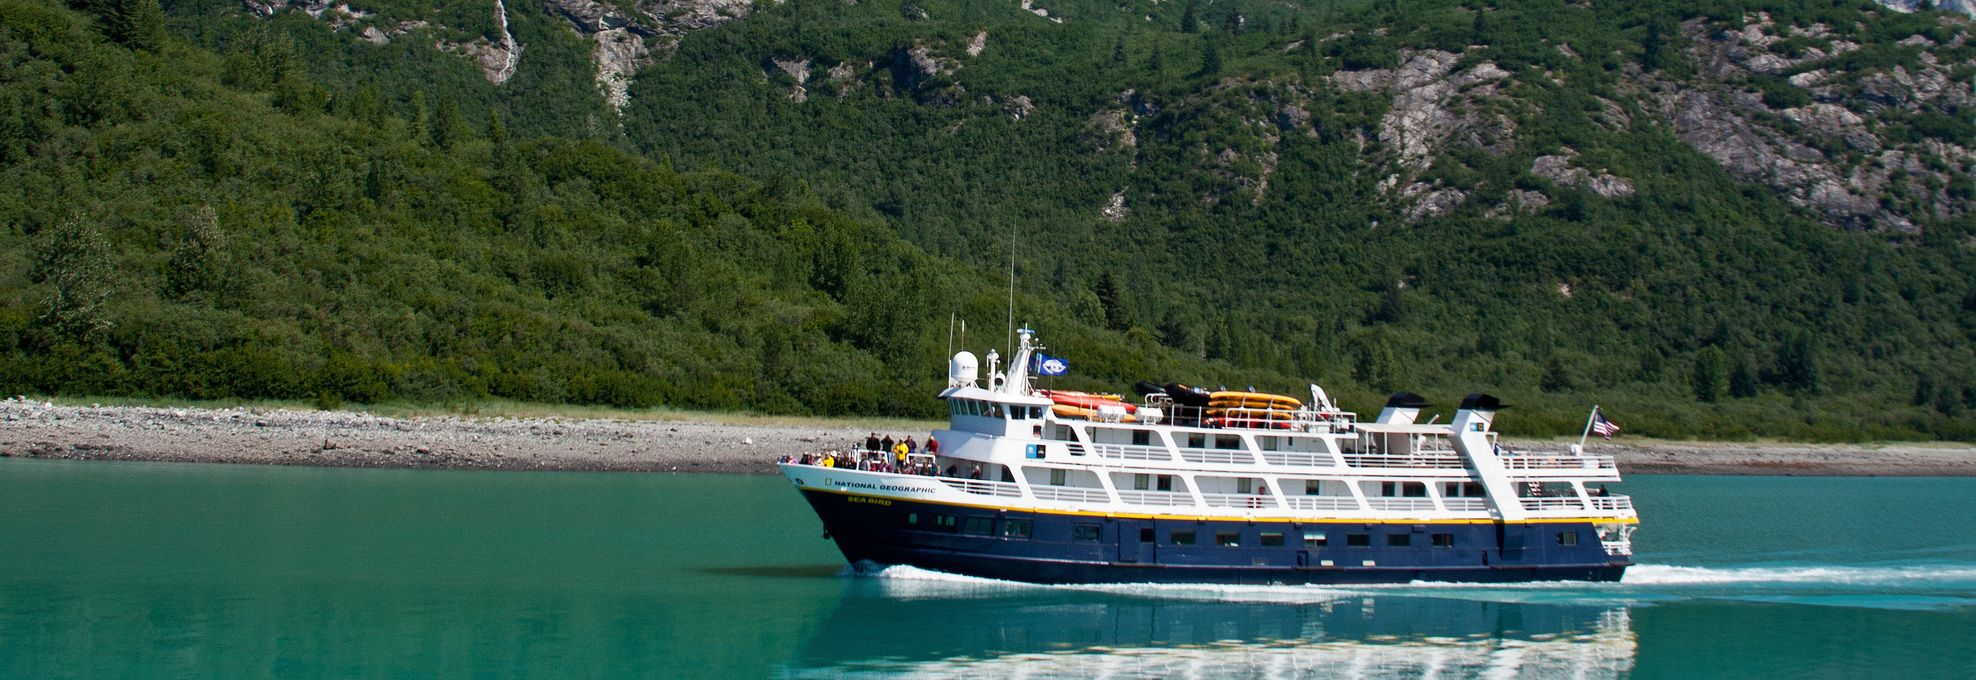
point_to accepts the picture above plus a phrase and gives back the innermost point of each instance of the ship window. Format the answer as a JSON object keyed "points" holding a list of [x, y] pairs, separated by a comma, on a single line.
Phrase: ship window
{"points": [[1142, 438], [1141, 482], [1197, 440], [1086, 533], [1245, 485], [1018, 412], [912, 519], [979, 526], [1165, 482], [1180, 537], [1313, 487], [1272, 538], [1567, 538], [1268, 443], [1315, 539], [1146, 535], [1404, 489], [1444, 540], [1399, 540], [1231, 539], [1358, 540], [1016, 528], [1057, 477], [943, 522], [1227, 441]]}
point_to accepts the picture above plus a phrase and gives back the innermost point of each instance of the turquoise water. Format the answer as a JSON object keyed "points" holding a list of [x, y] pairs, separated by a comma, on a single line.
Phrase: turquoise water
{"points": [[135, 570]]}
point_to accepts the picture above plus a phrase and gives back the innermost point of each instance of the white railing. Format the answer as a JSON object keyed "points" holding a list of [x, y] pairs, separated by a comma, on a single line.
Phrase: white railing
{"points": [[976, 486], [1070, 493], [1560, 503], [1619, 548], [1422, 459], [1160, 498], [1132, 452], [1382, 503], [1466, 504], [1298, 458], [1239, 500], [1612, 502], [1237, 457], [1525, 461], [1323, 502]]}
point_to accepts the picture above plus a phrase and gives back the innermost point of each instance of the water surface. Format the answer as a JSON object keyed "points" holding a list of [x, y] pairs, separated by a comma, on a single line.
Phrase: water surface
{"points": [[138, 570]]}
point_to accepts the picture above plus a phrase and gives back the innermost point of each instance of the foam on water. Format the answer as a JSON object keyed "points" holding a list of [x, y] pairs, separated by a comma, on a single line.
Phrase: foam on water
{"points": [[1950, 575]]}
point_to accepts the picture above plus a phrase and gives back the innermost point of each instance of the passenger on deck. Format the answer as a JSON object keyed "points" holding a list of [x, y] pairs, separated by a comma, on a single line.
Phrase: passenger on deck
{"points": [[953, 471], [899, 451], [871, 442], [885, 444], [932, 445], [976, 474], [911, 446], [829, 461]]}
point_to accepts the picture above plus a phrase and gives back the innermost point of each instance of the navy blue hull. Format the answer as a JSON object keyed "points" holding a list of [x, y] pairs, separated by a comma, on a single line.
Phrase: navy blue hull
{"points": [[1060, 548]]}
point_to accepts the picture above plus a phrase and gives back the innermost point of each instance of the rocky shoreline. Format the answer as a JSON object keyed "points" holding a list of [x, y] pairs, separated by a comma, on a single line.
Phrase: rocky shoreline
{"points": [[36, 429]]}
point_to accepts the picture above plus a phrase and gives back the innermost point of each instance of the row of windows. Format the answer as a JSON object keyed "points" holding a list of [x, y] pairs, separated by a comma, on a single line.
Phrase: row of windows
{"points": [[970, 407], [1091, 533]]}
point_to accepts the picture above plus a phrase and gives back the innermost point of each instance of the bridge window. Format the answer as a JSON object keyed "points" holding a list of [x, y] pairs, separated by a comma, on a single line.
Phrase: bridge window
{"points": [[1181, 537], [1444, 540], [1399, 540], [1271, 539], [1229, 539], [1084, 533], [1016, 528]]}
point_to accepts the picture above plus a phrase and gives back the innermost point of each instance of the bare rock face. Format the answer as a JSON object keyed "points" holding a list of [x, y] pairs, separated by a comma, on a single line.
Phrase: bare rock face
{"points": [[587, 16], [1020, 106], [619, 54], [1112, 130], [1967, 7], [797, 70], [1432, 203], [1115, 211], [1432, 105], [976, 44], [679, 17], [1559, 169]]}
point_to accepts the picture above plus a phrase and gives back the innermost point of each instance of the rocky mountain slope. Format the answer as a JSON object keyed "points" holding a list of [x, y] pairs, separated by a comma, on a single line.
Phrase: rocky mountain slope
{"points": [[1723, 217]]}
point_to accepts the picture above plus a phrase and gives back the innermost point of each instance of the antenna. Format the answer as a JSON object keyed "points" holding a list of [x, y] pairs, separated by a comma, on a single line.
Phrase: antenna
{"points": [[1012, 244], [950, 334]]}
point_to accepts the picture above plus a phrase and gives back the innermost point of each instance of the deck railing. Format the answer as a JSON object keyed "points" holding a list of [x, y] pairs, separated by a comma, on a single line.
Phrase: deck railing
{"points": [[1612, 502], [1070, 493], [1419, 459], [976, 486], [1525, 461], [1229, 456], [1240, 500], [1383, 503], [1558, 503], [1159, 498], [1466, 504], [1323, 502], [1298, 458], [1132, 452]]}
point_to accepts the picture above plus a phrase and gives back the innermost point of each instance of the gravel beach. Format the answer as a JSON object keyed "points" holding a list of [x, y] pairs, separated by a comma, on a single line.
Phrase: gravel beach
{"points": [[36, 429]]}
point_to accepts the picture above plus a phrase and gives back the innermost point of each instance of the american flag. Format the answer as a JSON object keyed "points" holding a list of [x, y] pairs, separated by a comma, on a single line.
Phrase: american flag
{"points": [[1602, 427]]}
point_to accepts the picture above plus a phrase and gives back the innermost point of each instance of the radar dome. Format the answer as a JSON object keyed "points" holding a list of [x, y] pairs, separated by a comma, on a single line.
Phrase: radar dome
{"points": [[963, 370]]}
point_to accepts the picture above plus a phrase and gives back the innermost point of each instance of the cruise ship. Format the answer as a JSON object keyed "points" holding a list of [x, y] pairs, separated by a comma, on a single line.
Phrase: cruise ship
{"points": [[1188, 486]]}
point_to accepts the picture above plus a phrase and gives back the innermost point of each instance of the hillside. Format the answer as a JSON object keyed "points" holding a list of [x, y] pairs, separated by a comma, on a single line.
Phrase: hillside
{"points": [[1718, 219]]}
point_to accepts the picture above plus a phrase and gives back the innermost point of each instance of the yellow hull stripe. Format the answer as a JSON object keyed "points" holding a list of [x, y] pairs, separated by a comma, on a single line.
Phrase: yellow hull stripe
{"points": [[1222, 518]]}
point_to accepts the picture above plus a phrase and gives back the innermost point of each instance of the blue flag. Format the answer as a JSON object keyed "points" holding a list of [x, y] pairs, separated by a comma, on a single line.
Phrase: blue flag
{"points": [[1049, 365]]}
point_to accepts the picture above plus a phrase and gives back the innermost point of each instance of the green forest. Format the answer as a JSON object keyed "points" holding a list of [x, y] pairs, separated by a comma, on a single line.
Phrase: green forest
{"points": [[199, 203]]}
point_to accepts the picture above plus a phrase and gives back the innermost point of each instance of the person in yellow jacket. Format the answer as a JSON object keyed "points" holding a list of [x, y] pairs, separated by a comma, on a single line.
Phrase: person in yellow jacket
{"points": [[899, 451], [829, 460]]}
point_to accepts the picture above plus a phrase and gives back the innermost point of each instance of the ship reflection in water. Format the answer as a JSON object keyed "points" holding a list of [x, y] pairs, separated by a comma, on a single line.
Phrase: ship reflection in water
{"points": [[926, 624]]}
